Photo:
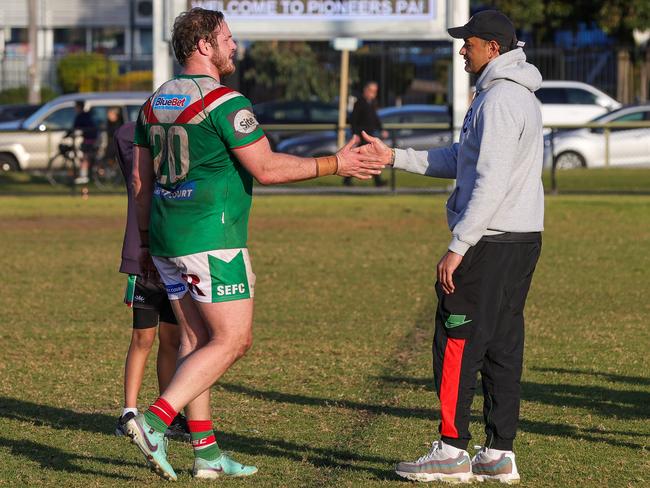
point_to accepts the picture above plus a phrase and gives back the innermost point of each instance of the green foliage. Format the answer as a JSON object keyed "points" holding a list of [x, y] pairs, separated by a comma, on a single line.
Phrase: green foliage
{"points": [[20, 94], [291, 70], [616, 17], [134, 80], [84, 72]]}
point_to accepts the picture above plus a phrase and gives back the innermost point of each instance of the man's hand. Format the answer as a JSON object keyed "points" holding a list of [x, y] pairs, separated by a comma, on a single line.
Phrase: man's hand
{"points": [[352, 163], [446, 268], [375, 150]]}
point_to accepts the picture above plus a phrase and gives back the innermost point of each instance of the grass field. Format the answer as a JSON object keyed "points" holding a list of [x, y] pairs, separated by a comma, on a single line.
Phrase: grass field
{"points": [[337, 387]]}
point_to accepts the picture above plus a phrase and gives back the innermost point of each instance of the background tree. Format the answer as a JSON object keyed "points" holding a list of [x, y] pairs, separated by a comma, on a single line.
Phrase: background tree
{"points": [[618, 18], [290, 71]]}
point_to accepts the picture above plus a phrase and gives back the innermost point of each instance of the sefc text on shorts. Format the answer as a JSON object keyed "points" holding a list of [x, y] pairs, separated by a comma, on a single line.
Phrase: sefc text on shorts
{"points": [[149, 302], [221, 275], [480, 328]]}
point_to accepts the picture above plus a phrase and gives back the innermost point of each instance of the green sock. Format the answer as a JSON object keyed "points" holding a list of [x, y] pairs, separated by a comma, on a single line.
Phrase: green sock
{"points": [[203, 440]]}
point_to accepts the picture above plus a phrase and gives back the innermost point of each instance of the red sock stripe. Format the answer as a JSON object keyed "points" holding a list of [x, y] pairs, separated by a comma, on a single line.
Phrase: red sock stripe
{"points": [[163, 410], [451, 365], [205, 442], [199, 425]]}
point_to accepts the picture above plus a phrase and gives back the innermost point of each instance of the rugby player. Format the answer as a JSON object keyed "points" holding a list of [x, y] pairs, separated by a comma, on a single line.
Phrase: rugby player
{"points": [[198, 147]]}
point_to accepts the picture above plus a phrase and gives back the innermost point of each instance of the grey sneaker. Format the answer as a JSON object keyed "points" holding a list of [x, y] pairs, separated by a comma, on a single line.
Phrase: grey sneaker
{"points": [[120, 428], [495, 468], [437, 465]]}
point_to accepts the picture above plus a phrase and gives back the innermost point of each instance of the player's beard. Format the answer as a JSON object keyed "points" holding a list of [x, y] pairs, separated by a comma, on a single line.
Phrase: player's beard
{"points": [[223, 63]]}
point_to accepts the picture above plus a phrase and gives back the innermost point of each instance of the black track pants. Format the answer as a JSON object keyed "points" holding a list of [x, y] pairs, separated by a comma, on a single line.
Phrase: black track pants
{"points": [[480, 327]]}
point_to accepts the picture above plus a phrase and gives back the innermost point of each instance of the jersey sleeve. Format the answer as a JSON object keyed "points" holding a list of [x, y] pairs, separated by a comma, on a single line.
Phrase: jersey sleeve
{"points": [[140, 136], [236, 123]]}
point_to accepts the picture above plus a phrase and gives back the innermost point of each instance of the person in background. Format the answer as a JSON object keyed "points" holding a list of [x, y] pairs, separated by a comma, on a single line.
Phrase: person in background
{"points": [[84, 123], [364, 118], [147, 296]]}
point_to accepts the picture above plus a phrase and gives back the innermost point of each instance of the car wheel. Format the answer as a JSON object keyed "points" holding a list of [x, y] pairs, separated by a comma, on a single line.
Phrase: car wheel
{"points": [[8, 163], [570, 160]]}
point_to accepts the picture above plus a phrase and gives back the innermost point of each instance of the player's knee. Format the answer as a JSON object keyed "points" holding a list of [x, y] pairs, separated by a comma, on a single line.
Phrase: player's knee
{"points": [[245, 343]]}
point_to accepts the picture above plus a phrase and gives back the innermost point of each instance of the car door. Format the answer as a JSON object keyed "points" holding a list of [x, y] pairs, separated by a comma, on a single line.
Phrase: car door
{"points": [[423, 139], [630, 146], [42, 141]]}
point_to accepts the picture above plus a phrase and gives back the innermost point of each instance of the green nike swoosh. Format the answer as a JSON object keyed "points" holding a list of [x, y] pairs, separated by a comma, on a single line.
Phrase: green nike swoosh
{"points": [[456, 321]]}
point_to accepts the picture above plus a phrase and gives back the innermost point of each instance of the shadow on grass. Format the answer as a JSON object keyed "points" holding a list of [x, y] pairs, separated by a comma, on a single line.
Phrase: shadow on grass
{"points": [[97, 423], [56, 459], [615, 378], [276, 396]]}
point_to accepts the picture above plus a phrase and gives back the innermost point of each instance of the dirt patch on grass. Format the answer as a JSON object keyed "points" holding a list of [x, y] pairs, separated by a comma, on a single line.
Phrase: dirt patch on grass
{"points": [[61, 223]]}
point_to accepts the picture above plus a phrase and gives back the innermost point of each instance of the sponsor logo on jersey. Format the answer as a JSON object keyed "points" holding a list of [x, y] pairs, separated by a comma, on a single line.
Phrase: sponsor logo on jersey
{"points": [[243, 121], [138, 298], [184, 191], [171, 102], [175, 288], [226, 290]]}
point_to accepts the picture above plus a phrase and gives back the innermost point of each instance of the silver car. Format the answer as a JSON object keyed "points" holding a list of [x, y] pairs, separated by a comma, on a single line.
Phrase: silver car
{"points": [[323, 143], [29, 144], [585, 148]]}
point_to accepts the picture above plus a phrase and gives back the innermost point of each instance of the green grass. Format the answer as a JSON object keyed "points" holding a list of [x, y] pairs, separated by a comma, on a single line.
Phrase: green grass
{"points": [[337, 387], [599, 180]]}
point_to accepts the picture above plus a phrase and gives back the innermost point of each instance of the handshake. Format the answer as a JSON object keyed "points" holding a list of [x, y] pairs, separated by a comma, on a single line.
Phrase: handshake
{"points": [[364, 161]]}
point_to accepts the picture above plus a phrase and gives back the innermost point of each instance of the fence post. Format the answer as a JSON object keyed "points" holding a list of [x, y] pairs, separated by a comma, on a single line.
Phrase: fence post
{"points": [[553, 165], [606, 131]]}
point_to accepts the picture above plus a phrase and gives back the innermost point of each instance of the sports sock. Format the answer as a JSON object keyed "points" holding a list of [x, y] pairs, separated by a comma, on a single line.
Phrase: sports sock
{"points": [[159, 415], [203, 440], [126, 410]]}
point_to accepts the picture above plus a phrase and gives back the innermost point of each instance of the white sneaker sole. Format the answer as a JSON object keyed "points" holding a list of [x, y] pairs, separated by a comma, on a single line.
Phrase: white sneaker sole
{"points": [[446, 478], [133, 431], [501, 478]]}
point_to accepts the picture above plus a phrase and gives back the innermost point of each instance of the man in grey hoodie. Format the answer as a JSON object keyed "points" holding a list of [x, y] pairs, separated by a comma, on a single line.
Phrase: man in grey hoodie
{"points": [[496, 216]]}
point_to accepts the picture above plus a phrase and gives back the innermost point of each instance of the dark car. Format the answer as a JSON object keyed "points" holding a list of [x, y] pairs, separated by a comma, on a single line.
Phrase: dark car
{"points": [[324, 142], [293, 112], [19, 111]]}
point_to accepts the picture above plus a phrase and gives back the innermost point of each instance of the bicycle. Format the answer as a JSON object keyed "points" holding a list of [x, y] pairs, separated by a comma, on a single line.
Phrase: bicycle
{"points": [[63, 167], [106, 173]]}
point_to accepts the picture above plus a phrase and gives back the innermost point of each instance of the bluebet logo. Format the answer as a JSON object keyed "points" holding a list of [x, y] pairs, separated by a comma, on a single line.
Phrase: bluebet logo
{"points": [[171, 102], [175, 288], [184, 191]]}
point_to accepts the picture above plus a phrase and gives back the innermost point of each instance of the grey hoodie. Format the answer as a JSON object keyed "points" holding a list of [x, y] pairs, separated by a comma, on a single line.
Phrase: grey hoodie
{"points": [[498, 161]]}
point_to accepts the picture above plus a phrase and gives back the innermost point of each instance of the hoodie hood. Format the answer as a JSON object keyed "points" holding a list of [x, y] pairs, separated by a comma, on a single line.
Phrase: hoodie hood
{"points": [[510, 66]]}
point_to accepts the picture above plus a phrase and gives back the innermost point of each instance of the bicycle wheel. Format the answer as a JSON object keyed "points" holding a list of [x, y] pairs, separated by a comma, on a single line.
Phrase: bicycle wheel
{"points": [[61, 170], [106, 174]]}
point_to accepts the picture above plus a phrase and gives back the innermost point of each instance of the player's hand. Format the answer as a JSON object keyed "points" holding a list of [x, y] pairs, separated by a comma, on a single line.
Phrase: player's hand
{"points": [[352, 163], [446, 268], [375, 150], [147, 268]]}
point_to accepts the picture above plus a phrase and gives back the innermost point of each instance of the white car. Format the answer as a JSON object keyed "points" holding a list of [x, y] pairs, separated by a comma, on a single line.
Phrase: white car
{"points": [[586, 147], [29, 144], [572, 102]]}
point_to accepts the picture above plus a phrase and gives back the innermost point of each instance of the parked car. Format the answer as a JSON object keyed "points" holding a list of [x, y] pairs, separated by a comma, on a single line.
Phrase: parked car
{"points": [[325, 142], [586, 147], [572, 102], [30, 143], [293, 112], [17, 111]]}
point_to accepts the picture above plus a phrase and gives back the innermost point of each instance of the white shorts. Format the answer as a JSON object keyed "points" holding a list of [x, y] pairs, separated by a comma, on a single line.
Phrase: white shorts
{"points": [[221, 275]]}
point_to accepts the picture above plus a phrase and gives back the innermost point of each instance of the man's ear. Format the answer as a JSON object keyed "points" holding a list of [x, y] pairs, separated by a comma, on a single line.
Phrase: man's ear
{"points": [[202, 46]]}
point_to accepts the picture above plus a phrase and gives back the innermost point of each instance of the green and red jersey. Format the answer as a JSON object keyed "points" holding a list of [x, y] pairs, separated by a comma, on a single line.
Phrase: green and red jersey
{"points": [[202, 197]]}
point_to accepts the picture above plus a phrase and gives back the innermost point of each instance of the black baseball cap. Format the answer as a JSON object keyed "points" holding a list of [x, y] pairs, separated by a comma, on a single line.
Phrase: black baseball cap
{"points": [[489, 25]]}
